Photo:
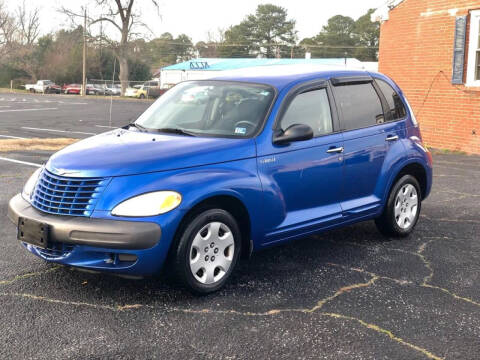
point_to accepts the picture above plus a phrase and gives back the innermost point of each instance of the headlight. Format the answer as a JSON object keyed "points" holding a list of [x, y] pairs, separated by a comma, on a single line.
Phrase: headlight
{"points": [[149, 204], [30, 184]]}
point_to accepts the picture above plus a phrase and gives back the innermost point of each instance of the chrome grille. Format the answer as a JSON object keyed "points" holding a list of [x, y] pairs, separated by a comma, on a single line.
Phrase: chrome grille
{"points": [[67, 195]]}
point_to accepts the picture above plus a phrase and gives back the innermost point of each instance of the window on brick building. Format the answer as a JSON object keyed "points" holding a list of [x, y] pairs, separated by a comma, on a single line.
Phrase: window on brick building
{"points": [[473, 65]]}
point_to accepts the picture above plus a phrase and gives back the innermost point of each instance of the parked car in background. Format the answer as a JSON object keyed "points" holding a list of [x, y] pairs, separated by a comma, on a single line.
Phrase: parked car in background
{"points": [[95, 89], [149, 89], [113, 89], [165, 88], [72, 89], [216, 169], [153, 88], [44, 86], [134, 91]]}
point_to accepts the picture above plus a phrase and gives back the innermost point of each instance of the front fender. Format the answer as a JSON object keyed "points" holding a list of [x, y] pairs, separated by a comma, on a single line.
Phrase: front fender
{"points": [[237, 178]]}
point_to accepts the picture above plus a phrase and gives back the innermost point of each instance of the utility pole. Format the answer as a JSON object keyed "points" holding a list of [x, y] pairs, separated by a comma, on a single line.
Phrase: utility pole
{"points": [[84, 70]]}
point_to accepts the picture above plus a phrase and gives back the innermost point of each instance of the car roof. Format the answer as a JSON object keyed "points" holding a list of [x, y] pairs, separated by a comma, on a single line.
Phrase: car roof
{"points": [[282, 76]]}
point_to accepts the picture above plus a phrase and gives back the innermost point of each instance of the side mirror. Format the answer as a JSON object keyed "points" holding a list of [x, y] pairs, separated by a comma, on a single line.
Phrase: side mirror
{"points": [[295, 132]]}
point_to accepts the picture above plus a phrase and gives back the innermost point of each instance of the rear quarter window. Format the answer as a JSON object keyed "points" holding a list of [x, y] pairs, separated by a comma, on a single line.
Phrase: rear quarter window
{"points": [[360, 106], [396, 109]]}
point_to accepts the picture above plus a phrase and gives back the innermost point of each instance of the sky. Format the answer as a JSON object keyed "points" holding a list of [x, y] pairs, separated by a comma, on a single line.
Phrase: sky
{"points": [[197, 18]]}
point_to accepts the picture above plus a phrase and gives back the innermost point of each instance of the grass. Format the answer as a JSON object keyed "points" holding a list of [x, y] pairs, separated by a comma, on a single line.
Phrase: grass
{"points": [[8, 90], [35, 144]]}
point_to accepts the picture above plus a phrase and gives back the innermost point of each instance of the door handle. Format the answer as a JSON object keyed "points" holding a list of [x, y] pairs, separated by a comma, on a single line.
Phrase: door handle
{"points": [[335, 150], [392, 138]]}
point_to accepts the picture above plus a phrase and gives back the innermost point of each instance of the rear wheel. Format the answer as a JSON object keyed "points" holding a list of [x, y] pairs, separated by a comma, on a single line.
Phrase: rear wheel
{"points": [[207, 251], [402, 210], [142, 96]]}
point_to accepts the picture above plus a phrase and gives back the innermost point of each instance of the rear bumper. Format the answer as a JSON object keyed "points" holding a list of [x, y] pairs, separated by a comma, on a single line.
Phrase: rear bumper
{"points": [[103, 233]]}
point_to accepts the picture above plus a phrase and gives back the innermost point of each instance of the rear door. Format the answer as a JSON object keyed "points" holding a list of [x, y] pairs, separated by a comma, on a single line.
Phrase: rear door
{"points": [[368, 135]]}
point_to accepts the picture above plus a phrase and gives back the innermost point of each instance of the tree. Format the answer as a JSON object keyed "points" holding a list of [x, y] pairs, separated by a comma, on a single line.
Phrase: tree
{"points": [[267, 33], [367, 34], [270, 30], [237, 43], [345, 37], [336, 39], [7, 29], [28, 23], [121, 15], [206, 49], [183, 48], [167, 50], [21, 42]]}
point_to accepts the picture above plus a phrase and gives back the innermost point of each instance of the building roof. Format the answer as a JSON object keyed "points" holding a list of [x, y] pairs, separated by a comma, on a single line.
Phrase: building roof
{"points": [[381, 14], [222, 64]]}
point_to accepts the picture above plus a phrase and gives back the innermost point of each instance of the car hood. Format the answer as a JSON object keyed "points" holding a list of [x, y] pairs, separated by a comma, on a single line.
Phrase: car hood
{"points": [[123, 152]]}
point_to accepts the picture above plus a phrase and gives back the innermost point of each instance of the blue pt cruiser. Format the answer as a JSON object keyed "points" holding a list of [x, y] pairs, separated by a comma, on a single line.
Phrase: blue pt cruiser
{"points": [[216, 169]]}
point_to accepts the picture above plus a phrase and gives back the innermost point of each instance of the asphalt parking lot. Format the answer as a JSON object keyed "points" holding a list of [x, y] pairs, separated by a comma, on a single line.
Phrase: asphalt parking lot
{"points": [[346, 294]]}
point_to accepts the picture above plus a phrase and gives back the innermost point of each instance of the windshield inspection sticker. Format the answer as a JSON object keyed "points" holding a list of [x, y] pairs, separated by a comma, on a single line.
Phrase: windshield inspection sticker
{"points": [[240, 130]]}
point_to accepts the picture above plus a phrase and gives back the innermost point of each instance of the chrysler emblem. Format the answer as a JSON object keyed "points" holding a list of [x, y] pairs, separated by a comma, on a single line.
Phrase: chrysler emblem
{"points": [[62, 171]]}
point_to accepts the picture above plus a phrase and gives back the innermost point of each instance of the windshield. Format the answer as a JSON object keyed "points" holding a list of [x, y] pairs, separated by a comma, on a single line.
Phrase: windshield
{"points": [[212, 108]]}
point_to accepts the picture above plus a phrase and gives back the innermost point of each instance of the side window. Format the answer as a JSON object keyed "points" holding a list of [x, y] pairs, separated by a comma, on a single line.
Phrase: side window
{"points": [[397, 109], [311, 108], [360, 104]]}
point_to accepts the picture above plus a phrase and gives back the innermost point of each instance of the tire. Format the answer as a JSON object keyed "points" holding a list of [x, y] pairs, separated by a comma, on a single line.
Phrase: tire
{"points": [[214, 255], [32, 91], [403, 208], [141, 96]]}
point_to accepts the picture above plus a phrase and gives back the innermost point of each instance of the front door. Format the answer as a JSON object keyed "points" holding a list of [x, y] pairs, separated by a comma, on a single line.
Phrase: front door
{"points": [[302, 180]]}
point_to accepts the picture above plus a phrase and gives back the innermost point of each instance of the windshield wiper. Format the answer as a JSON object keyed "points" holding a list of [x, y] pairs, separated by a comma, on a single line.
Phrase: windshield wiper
{"points": [[176, 131], [139, 127]]}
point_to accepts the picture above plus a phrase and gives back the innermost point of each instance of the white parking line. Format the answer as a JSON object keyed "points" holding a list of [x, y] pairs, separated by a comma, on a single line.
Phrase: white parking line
{"points": [[2, 106], [20, 162], [29, 109], [61, 131], [12, 137], [104, 126]]}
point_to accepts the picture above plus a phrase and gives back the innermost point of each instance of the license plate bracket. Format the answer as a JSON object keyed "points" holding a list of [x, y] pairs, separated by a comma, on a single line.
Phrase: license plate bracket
{"points": [[33, 232]]}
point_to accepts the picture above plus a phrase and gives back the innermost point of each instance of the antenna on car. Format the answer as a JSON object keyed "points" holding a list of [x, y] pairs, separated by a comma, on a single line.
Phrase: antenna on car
{"points": [[111, 95]]}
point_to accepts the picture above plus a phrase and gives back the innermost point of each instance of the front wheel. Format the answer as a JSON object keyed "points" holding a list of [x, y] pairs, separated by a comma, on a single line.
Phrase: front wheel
{"points": [[207, 251], [402, 210]]}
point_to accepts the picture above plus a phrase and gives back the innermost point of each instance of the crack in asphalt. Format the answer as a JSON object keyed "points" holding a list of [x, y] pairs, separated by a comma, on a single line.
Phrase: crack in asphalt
{"points": [[28, 275], [391, 335], [428, 264], [451, 220], [315, 309]]}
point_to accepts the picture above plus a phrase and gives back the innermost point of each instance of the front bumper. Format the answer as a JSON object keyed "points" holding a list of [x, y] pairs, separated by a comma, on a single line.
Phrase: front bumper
{"points": [[103, 233]]}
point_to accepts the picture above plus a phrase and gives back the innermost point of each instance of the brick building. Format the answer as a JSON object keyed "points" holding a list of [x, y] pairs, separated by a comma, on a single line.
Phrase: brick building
{"points": [[431, 48]]}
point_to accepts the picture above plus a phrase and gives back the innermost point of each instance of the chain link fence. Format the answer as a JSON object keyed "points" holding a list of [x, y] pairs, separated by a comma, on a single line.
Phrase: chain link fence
{"points": [[149, 89]]}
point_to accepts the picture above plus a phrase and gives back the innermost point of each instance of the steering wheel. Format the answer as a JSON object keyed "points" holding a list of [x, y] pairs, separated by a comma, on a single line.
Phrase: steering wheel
{"points": [[245, 122]]}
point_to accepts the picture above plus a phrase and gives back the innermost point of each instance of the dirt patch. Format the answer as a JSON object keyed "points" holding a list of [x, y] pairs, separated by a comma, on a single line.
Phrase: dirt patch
{"points": [[34, 144]]}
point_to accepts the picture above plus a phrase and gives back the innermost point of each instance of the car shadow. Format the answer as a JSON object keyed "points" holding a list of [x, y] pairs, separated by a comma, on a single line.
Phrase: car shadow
{"points": [[289, 275]]}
